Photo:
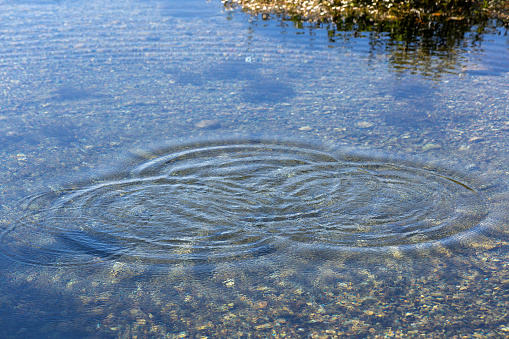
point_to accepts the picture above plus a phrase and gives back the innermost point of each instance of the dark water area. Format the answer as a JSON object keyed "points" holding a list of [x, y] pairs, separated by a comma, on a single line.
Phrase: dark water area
{"points": [[179, 170]]}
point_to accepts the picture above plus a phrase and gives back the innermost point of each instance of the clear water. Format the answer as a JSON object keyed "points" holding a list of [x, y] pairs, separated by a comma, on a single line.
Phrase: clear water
{"points": [[175, 170]]}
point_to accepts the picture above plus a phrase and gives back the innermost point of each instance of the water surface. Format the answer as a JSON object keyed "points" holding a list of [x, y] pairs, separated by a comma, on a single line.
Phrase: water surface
{"points": [[178, 170]]}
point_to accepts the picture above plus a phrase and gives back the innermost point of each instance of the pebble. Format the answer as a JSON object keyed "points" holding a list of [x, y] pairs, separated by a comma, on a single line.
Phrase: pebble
{"points": [[261, 304], [431, 146], [229, 282], [208, 124], [476, 139], [364, 124], [264, 326]]}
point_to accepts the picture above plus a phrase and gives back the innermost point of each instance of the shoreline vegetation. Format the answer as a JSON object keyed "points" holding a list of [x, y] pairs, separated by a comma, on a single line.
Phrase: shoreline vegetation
{"points": [[422, 11], [422, 36]]}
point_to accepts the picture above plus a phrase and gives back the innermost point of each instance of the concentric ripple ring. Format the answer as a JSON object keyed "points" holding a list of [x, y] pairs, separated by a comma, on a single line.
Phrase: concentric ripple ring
{"points": [[241, 199]]}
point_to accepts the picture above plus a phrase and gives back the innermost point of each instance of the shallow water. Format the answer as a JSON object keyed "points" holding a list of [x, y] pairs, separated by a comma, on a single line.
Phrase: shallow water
{"points": [[177, 170], [231, 200]]}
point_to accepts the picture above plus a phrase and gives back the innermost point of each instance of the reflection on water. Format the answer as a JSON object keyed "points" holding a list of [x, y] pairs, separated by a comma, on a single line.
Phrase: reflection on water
{"points": [[430, 38], [372, 203]]}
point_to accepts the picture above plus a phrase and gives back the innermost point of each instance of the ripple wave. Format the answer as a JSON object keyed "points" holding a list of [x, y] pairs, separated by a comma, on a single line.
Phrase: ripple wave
{"points": [[240, 199]]}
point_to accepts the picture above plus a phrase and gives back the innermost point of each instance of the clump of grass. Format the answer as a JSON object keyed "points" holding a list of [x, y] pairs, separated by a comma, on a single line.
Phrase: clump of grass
{"points": [[376, 10]]}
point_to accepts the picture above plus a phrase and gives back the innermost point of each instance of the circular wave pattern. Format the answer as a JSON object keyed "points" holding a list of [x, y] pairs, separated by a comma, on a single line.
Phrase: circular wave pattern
{"points": [[244, 199]]}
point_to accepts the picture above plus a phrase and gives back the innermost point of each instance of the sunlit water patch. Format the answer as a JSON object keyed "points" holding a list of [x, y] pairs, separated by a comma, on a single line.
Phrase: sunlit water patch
{"points": [[220, 201]]}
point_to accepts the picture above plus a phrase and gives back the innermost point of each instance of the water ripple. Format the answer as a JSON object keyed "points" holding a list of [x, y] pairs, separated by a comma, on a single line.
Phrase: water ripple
{"points": [[240, 199]]}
